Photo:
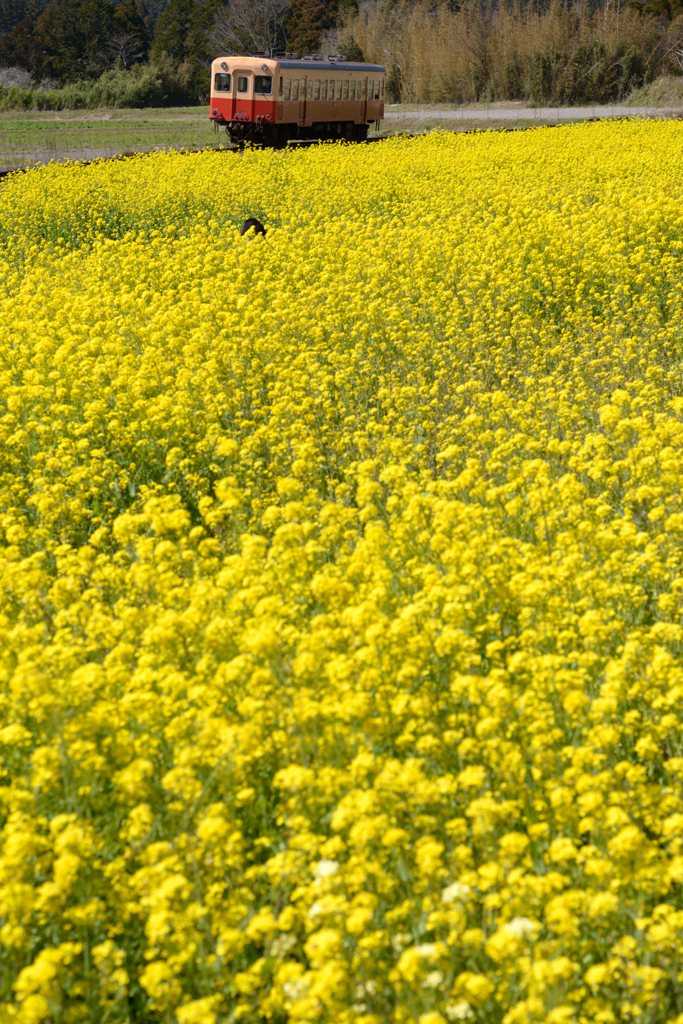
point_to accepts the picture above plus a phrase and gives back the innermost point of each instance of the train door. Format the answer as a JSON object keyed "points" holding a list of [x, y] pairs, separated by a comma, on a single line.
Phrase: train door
{"points": [[244, 95], [303, 84], [364, 103]]}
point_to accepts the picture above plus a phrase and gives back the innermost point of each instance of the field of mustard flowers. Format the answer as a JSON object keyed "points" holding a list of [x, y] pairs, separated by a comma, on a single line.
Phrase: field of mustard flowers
{"points": [[341, 584]]}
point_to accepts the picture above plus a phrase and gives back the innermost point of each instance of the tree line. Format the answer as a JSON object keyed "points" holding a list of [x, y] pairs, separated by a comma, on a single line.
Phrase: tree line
{"points": [[547, 51], [69, 40], [559, 53]]}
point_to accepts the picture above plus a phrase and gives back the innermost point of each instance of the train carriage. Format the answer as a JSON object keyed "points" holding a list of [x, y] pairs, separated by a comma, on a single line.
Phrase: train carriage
{"points": [[272, 100]]}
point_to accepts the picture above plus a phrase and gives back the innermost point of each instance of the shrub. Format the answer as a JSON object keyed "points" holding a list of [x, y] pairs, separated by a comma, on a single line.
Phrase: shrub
{"points": [[160, 83]]}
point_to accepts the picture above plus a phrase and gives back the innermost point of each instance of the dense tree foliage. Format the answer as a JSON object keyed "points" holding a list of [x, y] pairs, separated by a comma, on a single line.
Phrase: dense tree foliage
{"points": [[435, 50], [76, 39]]}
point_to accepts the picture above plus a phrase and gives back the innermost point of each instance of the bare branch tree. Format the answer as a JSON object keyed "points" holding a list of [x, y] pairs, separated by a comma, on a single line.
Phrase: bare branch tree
{"points": [[123, 47], [15, 76], [244, 26]]}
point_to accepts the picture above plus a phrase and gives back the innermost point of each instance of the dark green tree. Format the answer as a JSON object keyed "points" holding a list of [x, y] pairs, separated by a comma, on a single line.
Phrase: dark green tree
{"points": [[16, 46], [11, 13], [181, 31], [129, 21], [310, 19], [70, 39], [175, 28], [181, 35], [306, 24]]}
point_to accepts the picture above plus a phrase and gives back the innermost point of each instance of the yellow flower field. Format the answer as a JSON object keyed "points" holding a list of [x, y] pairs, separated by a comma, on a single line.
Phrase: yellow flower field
{"points": [[341, 584]]}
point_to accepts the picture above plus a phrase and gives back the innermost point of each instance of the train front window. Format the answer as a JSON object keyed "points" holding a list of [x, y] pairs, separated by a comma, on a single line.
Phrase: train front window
{"points": [[263, 85], [382, 88], [288, 88], [376, 90], [242, 83], [352, 94], [222, 83]]}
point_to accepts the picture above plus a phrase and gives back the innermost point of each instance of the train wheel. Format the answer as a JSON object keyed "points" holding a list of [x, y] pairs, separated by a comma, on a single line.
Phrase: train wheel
{"points": [[282, 136], [238, 134]]}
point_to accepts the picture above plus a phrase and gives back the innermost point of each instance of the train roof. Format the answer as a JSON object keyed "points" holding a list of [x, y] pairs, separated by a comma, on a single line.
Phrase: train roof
{"points": [[327, 64], [295, 64]]}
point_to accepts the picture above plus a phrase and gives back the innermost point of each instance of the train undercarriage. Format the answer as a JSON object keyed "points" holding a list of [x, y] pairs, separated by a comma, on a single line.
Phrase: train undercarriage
{"points": [[277, 136]]}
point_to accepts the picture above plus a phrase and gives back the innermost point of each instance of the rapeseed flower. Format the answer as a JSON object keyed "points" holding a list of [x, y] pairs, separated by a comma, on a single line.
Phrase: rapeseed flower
{"points": [[341, 583]]}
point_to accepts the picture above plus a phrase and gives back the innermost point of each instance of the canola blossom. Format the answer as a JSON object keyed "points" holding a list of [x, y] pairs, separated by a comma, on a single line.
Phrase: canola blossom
{"points": [[341, 584]]}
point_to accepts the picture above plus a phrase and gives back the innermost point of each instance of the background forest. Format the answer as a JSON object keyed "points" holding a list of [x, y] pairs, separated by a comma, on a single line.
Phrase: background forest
{"points": [[71, 53]]}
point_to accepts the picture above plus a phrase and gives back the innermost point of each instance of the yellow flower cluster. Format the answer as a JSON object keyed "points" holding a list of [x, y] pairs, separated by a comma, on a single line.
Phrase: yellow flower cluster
{"points": [[341, 584]]}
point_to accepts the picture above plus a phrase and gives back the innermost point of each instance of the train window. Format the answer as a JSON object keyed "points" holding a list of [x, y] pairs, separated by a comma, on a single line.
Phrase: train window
{"points": [[323, 94], [346, 91], [303, 88], [330, 94], [310, 88], [377, 90], [295, 88], [281, 80], [288, 88], [263, 84], [370, 88], [316, 89], [222, 83], [339, 88], [242, 83], [382, 88], [352, 93]]}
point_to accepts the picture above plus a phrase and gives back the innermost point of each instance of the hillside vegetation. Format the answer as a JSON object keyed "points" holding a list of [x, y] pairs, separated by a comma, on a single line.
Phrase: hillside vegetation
{"points": [[87, 53], [663, 92]]}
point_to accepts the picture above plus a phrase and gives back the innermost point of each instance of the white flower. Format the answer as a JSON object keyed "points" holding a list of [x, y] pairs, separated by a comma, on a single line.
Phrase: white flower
{"points": [[295, 989], [426, 950], [282, 944], [459, 1011], [325, 869], [401, 940], [522, 927], [433, 979], [315, 909], [456, 893]]}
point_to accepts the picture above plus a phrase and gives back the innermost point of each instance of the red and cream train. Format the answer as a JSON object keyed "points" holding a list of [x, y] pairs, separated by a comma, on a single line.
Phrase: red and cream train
{"points": [[269, 101]]}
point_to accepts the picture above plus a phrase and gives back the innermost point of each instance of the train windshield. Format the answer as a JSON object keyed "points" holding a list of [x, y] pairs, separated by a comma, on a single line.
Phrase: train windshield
{"points": [[263, 84], [222, 83]]}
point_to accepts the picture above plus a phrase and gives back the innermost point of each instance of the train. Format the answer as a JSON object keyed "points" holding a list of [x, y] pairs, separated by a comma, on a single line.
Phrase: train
{"points": [[271, 100]]}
